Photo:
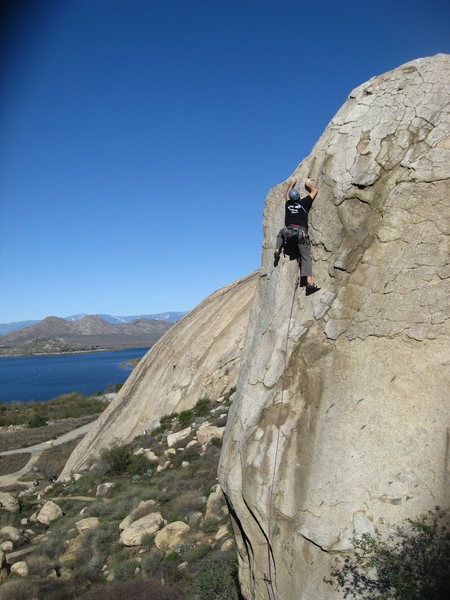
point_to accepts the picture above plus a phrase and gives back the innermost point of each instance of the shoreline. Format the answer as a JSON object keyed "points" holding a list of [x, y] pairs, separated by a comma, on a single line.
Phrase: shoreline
{"points": [[117, 349]]}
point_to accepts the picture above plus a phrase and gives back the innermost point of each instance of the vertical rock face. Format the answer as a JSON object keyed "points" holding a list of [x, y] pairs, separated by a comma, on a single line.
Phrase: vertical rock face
{"points": [[199, 356], [356, 379]]}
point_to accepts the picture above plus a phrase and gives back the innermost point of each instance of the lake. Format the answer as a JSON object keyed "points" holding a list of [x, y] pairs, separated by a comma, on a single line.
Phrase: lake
{"points": [[44, 377]]}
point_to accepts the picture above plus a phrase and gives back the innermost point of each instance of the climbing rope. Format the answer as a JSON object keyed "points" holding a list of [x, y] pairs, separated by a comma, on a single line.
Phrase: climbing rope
{"points": [[269, 580]]}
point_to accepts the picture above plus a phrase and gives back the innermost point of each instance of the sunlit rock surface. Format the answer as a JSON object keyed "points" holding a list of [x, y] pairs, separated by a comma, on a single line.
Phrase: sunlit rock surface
{"points": [[198, 357], [365, 415]]}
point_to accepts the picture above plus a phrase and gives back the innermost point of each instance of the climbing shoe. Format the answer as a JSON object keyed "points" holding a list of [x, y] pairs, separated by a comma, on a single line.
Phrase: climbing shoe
{"points": [[311, 288]]}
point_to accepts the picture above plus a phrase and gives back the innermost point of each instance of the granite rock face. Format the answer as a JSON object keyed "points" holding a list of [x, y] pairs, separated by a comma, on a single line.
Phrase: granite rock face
{"points": [[199, 356], [341, 414]]}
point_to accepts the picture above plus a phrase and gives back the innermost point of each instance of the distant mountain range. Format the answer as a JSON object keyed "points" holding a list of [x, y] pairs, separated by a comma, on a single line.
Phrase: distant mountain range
{"points": [[172, 317], [89, 330]]}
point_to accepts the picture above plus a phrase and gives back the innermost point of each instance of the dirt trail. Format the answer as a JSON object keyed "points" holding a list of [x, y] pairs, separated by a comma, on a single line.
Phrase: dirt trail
{"points": [[36, 451]]}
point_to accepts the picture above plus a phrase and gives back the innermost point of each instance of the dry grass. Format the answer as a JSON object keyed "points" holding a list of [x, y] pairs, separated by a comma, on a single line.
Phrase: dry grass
{"points": [[10, 440], [13, 462], [52, 460]]}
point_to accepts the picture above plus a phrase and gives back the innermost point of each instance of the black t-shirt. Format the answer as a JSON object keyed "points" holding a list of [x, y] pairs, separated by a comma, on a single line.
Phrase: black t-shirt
{"points": [[296, 211]]}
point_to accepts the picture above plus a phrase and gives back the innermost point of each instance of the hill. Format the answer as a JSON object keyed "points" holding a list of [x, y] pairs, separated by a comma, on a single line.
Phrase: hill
{"points": [[88, 332], [170, 316]]}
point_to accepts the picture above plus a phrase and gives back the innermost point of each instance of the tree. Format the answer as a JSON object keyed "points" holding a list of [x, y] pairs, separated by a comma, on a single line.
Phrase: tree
{"points": [[412, 563]]}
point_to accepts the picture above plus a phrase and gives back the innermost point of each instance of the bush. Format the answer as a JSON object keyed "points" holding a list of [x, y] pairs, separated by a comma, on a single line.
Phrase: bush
{"points": [[36, 420], [116, 459], [124, 569], [196, 552], [410, 564], [185, 417], [216, 582], [202, 407], [18, 590], [138, 589], [147, 541]]}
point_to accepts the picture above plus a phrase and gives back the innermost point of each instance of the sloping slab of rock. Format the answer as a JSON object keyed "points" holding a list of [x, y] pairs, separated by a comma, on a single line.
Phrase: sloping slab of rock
{"points": [[132, 535], [178, 436]]}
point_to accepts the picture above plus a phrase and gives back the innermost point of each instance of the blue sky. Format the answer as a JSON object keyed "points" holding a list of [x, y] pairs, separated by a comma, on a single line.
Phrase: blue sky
{"points": [[139, 138]]}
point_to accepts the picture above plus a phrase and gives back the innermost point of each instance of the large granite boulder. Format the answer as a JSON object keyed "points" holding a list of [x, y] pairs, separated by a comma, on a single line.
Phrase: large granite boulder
{"points": [[171, 536], [132, 533], [9, 502], [198, 357], [49, 512], [341, 413]]}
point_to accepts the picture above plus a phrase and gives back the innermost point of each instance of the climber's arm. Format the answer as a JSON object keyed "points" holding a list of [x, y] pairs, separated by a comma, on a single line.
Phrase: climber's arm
{"points": [[313, 191]]}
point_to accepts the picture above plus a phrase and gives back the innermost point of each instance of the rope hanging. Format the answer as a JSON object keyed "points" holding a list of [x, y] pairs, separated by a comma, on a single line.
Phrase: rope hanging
{"points": [[269, 580]]}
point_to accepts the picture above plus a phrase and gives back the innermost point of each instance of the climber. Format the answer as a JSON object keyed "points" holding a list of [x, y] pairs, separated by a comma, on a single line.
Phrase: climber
{"points": [[296, 230]]}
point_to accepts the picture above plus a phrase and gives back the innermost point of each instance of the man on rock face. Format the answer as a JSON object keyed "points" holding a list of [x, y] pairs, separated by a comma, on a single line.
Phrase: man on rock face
{"points": [[296, 228]]}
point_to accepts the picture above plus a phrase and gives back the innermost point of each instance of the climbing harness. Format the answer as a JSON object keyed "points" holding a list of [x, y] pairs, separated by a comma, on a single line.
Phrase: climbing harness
{"points": [[269, 579]]}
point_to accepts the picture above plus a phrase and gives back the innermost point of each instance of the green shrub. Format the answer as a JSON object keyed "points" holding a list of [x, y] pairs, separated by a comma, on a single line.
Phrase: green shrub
{"points": [[147, 541], [125, 569], [138, 465], [412, 563], [202, 407], [216, 582], [173, 557], [104, 536], [185, 417], [168, 418], [163, 427], [116, 459], [151, 562], [36, 420], [196, 552], [120, 459], [210, 524]]}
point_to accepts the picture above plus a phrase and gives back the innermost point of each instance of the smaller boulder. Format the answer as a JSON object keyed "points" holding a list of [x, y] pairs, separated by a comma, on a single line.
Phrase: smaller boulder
{"points": [[104, 488], [171, 536], [6, 546], [178, 436], [216, 506], [8, 532], [207, 432], [132, 535], [151, 456], [87, 524], [9, 502], [222, 533], [20, 568], [73, 553], [182, 567], [227, 545], [194, 519], [49, 512]]}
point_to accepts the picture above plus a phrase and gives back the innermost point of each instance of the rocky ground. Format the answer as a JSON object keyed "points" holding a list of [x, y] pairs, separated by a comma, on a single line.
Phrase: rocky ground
{"points": [[144, 514]]}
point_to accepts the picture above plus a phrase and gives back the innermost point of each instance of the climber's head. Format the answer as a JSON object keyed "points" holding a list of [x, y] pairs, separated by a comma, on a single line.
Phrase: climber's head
{"points": [[294, 195]]}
